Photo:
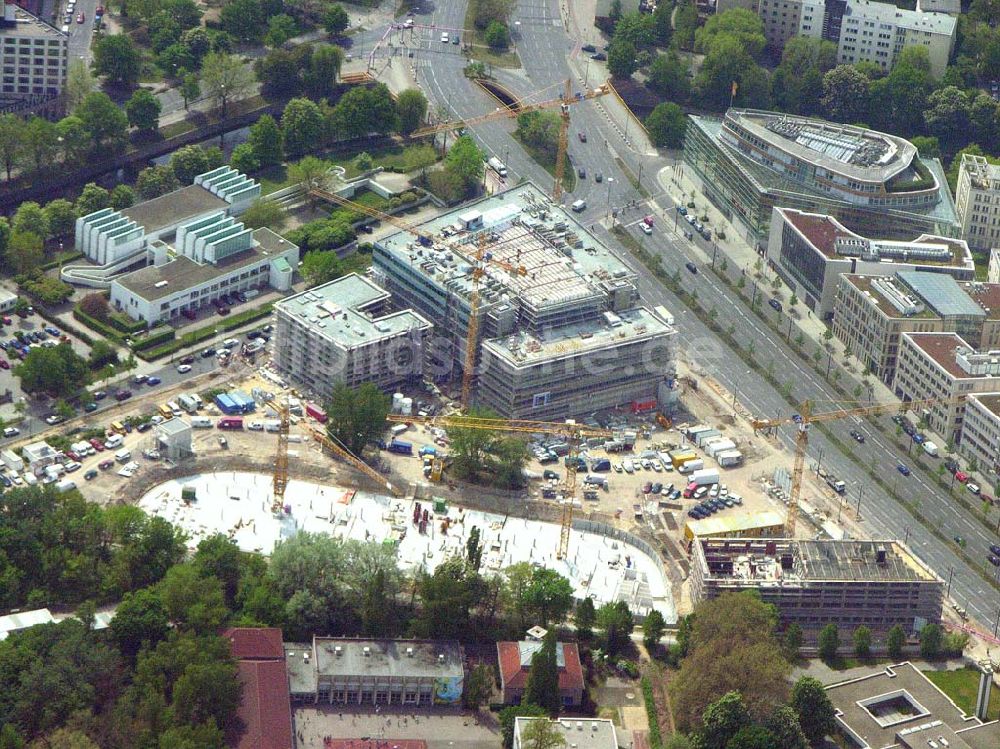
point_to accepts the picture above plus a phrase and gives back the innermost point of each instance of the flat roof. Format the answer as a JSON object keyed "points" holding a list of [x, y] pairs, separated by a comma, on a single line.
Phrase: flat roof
{"points": [[255, 642], [940, 348], [856, 700], [562, 262], [732, 523], [173, 208], [942, 292], [6, 295], [340, 312], [986, 295], [760, 560], [301, 670], [931, 22], [411, 658], [30, 25], [181, 272], [582, 733], [989, 401], [23, 620], [613, 329], [865, 284]]}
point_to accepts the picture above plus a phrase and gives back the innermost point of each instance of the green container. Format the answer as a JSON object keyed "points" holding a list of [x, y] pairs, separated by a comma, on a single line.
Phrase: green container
{"points": [[440, 506]]}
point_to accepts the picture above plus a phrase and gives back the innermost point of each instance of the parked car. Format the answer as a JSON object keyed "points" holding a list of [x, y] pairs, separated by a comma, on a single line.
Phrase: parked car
{"points": [[582, 136], [207, 353], [97, 445], [106, 464], [599, 56], [99, 395], [183, 368], [588, 48], [189, 359], [972, 488], [90, 407], [775, 304], [961, 477], [53, 419], [123, 395], [151, 381], [4, 364], [81, 18], [646, 229], [91, 474], [9, 432]]}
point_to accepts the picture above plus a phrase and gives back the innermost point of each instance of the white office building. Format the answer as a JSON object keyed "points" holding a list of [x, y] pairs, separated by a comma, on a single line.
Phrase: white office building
{"points": [[977, 203]]}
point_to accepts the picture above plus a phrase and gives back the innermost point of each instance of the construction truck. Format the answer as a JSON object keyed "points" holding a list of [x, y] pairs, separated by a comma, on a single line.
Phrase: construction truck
{"points": [[836, 484]]}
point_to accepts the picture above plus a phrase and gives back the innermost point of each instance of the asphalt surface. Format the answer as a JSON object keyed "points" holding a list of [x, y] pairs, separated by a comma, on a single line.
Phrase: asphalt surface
{"points": [[543, 46]]}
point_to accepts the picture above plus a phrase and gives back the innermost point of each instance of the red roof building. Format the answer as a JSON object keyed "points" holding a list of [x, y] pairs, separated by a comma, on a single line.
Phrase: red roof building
{"points": [[515, 662], [265, 710], [374, 744]]}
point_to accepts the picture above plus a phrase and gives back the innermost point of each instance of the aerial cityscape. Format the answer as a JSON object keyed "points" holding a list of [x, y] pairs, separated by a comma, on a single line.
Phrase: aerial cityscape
{"points": [[500, 374]]}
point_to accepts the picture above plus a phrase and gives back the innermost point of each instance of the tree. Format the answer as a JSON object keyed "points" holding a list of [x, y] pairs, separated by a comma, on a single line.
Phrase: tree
{"points": [[985, 116], [616, 624], [267, 141], [75, 140], [637, 28], [220, 558], [41, 142], [895, 641], [207, 691], [11, 141], [243, 159], [723, 719], [58, 371], [846, 93], [187, 163], [363, 111], [478, 687], [753, 737], [411, 108], [140, 621], [666, 125], [669, 75], [30, 217], [813, 706], [280, 29], [192, 601], [862, 641], [118, 59], [536, 596], [79, 83], [730, 646], [302, 125], [103, 119], [539, 130], [225, 78], [24, 252], [335, 19], [189, 89], [465, 160], [783, 723], [621, 58], [509, 714], [309, 172], [154, 181], [931, 638], [662, 24], [102, 353], [320, 76], [928, 147], [585, 617], [652, 629], [92, 198], [829, 642], [264, 212], [793, 640], [948, 115], [797, 83], [95, 305], [741, 25], [61, 217], [356, 415], [488, 11], [727, 63], [448, 596], [903, 94], [542, 734], [244, 19], [497, 36], [542, 688], [143, 110]]}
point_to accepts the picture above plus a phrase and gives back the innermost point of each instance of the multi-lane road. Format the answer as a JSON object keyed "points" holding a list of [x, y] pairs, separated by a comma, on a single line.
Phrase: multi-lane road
{"points": [[545, 49]]}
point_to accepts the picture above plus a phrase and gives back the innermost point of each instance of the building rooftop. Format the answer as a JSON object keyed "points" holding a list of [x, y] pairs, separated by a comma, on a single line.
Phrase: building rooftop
{"points": [[942, 293], [301, 670], [594, 334], [174, 207], [986, 295], [347, 311], [265, 709], [369, 743], [785, 562], [989, 401], [586, 733], [734, 523], [181, 272], [255, 642], [898, 706], [22, 620], [172, 427], [888, 297], [515, 662], [25, 24], [941, 348], [412, 658], [7, 296], [939, 23], [552, 259]]}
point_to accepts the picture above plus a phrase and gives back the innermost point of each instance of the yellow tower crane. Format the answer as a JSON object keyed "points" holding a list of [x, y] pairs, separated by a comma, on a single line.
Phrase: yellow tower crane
{"points": [[573, 432], [281, 460], [345, 454], [806, 418]]}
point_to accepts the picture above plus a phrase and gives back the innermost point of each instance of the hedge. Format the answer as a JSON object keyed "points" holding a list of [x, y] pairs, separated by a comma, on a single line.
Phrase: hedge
{"points": [[97, 326], [153, 339], [203, 333], [67, 258], [244, 317], [652, 714], [126, 324]]}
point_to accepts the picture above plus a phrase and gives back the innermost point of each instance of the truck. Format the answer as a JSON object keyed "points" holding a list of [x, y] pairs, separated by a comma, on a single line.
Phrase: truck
{"points": [[691, 466], [600, 465], [398, 429], [188, 403], [201, 422], [497, 166], [680, 457], [931, 449], [400, 448], [836, 484], [705, 476], [729, 458], [230, 422], [428, 450], [316, 412]]}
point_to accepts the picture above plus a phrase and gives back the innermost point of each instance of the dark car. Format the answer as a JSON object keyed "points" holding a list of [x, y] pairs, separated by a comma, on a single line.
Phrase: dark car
{"points": [[951, 464], [549, 474], [995, 548], [153, 381], [994, 560], [903, 469], [600, 57], [588, 48], [90, 407], [599, 177], [775, 304], [91, 474], [223, 311], [691, 266], [581, 173], [657, 488], [123, 395], [99, 395], [207, 353], [189, 359], [105, 464], [144, 426], [857, 436]]}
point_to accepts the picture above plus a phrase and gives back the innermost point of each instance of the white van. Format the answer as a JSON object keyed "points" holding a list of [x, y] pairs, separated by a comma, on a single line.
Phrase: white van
{"points": [[115, 440], [579, 206], [65, 486], [201, 422], [29, 478], [175, 409], [123, 456]]}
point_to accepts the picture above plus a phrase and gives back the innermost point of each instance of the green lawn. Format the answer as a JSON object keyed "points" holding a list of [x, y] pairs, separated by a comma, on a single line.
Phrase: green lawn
{"points": [[961, 685], [479, 49]]}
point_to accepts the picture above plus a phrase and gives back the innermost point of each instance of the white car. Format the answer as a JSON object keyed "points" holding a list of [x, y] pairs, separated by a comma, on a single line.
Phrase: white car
{"points": [[627, 466], [11, 431], [656, 465], [617, 467], [646, 229], [71, 466], [714, 491], [156, 419], [444, 37], [183, 368]]}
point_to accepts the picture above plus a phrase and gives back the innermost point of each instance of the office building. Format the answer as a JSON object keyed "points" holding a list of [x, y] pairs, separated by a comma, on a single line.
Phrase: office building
{"points": [[345, 331], [39, 455], [561, 330], [812, 252], [22, 620], [981, 431], [875, 184], [871, 312], [515, 663], [814, 583], [898, 707], [265, 711], [410, 673], [877, 32], [34, 56], [943, 366], [585, 733], [977, 203]]}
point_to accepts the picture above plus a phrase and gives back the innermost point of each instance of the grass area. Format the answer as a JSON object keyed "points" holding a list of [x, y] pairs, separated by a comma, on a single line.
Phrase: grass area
{"points": [[842, 664], [402, 159], [478, 49], [961, 685], [177, 128], [611, 713], [543, 160], [356, 262]]}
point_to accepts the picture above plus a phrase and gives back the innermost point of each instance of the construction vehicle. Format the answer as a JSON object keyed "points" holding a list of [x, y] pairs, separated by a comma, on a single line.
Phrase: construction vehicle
{"points": [[806, 418], [342, 452], [573, 432]]}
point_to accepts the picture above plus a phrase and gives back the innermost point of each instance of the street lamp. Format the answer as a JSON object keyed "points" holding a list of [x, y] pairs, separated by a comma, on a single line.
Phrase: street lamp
{"points": [[610, 180]]}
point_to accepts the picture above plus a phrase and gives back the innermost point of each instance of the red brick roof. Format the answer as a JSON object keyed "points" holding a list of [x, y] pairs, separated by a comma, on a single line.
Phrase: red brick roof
{"points": [[821, 231], [255, 643], [513, 675], [265, 709], [374, 744]]}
